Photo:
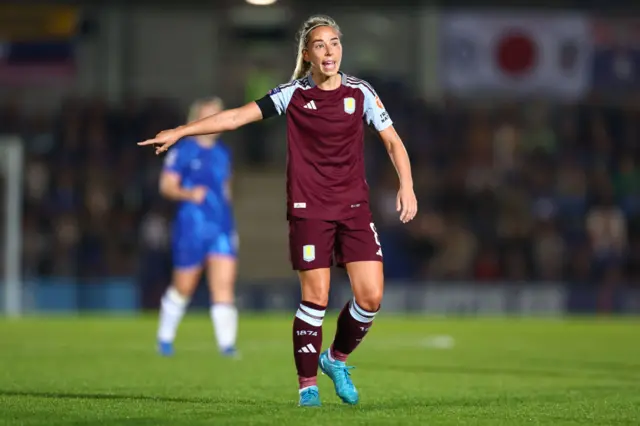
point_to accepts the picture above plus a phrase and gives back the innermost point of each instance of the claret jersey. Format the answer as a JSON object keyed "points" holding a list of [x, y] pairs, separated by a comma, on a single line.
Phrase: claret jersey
{"points": [[325, 144]]}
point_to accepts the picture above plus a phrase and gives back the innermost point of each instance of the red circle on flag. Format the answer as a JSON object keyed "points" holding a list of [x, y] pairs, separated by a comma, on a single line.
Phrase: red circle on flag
{"points": [[516, 54]]}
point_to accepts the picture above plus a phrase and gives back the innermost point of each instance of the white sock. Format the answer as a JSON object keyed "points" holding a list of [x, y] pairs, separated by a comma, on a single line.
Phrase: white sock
{"points": [[225, 323], [172, 308]]}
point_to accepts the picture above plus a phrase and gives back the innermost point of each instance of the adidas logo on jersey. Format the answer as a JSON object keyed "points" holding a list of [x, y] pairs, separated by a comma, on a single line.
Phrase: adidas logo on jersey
{"points": [[311, 105], [309, 349]]}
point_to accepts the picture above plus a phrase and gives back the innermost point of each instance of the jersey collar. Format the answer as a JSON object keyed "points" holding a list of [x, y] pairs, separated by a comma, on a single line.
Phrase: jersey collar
{"points": [[312, 83]]}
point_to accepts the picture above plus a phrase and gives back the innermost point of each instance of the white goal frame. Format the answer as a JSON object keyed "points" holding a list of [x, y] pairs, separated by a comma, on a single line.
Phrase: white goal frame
{"points": [[11, 168]]}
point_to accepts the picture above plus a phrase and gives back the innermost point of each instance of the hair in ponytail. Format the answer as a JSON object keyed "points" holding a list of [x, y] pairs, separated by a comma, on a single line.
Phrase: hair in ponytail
{"points": [[303, 67]]}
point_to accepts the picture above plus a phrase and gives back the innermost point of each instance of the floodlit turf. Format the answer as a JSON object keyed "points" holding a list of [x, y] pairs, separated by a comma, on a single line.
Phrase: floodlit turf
{"points": [[102, 371]]}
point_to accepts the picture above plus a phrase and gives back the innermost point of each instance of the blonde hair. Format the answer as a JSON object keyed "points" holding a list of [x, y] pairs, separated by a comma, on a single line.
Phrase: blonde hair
{"points": [[197, 105], [303, 67]]}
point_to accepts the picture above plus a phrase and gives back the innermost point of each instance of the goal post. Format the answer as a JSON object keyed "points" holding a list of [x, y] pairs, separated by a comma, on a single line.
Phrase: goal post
{"points": [[11, 170]]}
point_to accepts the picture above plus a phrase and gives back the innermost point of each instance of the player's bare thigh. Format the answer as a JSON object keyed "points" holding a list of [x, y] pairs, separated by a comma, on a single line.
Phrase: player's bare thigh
{"points": [[221, 277], [367, 283], [360, 252], [185, 280], [315, 284], [311, 245]]}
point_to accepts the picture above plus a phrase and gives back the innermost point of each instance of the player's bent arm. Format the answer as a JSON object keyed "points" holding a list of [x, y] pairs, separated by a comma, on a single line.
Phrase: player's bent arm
{"points": [[398, 154], [171, 189], [224, 121]]}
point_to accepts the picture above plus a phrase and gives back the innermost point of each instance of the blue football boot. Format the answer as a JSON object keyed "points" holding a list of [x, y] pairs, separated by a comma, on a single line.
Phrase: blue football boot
{"points": [[309, 397], [339, 373]]}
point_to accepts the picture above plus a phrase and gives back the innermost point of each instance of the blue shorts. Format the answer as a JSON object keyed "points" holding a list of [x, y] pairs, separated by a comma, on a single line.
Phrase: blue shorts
{"points": [[190, 251]]}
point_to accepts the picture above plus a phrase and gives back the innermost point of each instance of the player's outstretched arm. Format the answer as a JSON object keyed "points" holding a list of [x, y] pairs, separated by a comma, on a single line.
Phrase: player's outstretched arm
{"points": [[224, 121], [170, 188], [406, 202]]}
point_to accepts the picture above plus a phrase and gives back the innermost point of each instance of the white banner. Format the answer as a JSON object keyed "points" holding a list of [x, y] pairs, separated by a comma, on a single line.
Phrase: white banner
{"points": [[515, 54]]}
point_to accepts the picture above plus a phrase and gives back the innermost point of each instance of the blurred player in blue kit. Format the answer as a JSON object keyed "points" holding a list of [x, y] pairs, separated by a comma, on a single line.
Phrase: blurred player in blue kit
{"points": [[197, 175]]}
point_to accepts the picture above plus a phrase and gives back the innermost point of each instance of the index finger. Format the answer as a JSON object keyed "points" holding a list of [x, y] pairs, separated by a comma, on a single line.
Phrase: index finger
{"points": [[153, 141]]}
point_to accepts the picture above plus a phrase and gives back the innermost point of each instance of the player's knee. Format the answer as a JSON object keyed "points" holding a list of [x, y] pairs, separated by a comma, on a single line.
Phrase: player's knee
{"points": [[182, 288], [185, 282], [221, 290], [315, 291], [370, 301], [315, 287], [316, 296]]}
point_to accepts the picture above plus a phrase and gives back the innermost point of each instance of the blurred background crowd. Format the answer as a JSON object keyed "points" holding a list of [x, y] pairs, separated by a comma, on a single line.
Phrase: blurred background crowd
{"points": [[522, 188], [518, 192], [525, 191]]}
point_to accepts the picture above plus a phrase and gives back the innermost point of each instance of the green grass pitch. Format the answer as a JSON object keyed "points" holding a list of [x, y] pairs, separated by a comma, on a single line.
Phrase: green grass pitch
{"points": [[104, 371]]}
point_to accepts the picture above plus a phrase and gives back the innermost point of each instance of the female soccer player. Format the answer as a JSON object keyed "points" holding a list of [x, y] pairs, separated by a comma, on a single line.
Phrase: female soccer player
{"points": [[327, 196], [197, 175]]}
